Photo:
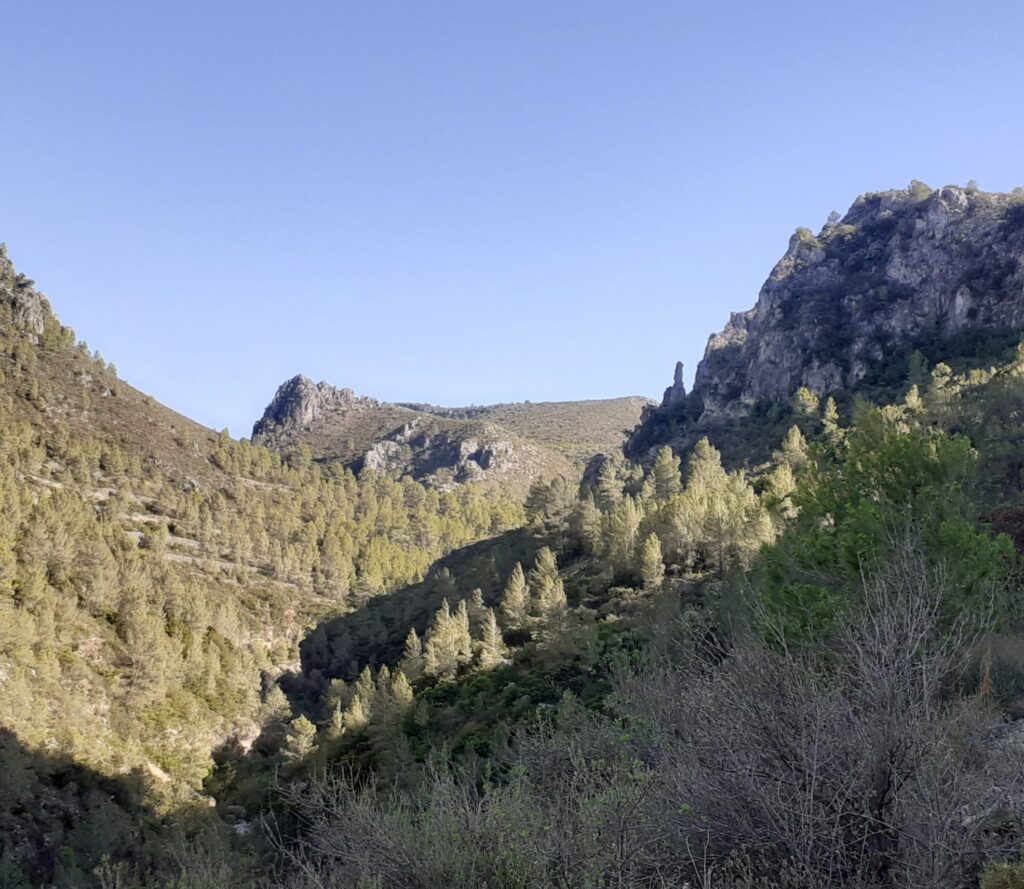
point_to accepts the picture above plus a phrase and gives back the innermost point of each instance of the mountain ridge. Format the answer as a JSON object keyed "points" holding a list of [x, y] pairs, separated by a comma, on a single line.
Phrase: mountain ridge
{"points": [[507, 443]]}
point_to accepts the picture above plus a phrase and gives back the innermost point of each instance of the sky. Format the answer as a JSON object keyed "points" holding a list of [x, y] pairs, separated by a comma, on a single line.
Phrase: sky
{"points": [[462, 202]]}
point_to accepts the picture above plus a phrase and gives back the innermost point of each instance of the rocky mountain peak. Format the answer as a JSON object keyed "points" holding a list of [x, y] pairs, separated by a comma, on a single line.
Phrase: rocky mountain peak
{"points": [[902, 269], [299, 403], [29, 308], [898, 266]]}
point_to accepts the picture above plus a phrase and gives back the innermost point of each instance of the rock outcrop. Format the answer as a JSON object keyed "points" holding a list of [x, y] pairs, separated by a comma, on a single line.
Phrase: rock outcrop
{"points": [[299, 402], [677, 391], [901, 268], [29, 309], [506, 444]]}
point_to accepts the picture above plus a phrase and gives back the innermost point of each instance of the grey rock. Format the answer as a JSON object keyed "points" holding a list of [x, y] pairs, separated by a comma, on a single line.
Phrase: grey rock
{"points": [[299, 402], [677, 391], [900, 265], [29, 308]]}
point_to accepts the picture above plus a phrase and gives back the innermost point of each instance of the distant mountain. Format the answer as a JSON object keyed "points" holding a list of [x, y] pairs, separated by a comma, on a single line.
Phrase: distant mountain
{"points": [[508, 444], [937, 271]]}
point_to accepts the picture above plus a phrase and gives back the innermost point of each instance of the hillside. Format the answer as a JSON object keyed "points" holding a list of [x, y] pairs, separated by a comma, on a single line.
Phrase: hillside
{"points": [[155, 579], [937, 272], [792, 662], [507, 445]]}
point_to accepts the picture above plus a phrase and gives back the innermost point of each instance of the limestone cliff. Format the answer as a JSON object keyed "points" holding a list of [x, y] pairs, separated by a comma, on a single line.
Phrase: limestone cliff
{"points": [[902, 269], [29, 308]]}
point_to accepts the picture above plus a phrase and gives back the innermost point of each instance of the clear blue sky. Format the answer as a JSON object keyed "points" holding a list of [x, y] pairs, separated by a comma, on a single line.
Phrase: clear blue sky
{"points": [[462, 202]]}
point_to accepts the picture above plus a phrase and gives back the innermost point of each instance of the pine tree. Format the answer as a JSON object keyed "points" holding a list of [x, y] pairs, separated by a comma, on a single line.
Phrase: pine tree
{"points": [[586, 524], [366, 688], [668, 480], [622, 525], [609, 487], [477, 609], [544, 572], [492, 645], [448, 641], [435, 652], [462, 637], [383, 683], [794, 448], [401, 692], [652, 565], [806, 403], [780, 485], [548, 591], [301, 739], [913, 401], [357, 714], [412, 657], [917, 367], [515, 599], [830, 423]]}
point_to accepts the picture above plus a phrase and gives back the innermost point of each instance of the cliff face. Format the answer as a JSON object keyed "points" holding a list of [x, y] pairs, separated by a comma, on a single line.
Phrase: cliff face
{"points": [[29, 308], [899, 268], [899, 265], [299, 402]]}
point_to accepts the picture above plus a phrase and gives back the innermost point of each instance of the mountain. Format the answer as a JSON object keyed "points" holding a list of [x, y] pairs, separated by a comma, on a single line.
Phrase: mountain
{"points": [[504, 444], [933, 271], [155, 579], [199, 636]]}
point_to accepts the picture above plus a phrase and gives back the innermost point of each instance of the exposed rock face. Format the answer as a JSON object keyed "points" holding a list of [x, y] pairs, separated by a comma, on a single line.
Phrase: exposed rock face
{"points": [[299, 402], [677, 391], [506, 444], [901, 267], [29, 308], [452, 456]]}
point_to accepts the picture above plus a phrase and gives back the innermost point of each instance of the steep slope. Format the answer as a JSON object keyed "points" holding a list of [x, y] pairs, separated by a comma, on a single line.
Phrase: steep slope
{"points": [[936, 271], [155, 578], [506, 445]]}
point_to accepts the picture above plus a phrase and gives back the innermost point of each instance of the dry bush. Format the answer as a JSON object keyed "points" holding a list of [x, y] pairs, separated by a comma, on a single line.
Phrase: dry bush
{"points": [[756, 768], [858, 769]]}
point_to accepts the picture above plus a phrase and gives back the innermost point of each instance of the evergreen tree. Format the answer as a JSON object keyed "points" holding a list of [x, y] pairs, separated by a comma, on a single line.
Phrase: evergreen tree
{"points": [[492, 645], [515, 599], [461, 634], [622, 525], [609, 486], [301, 739], [401, 692], [794, 448], [805, 403], [357, 714], [546, 586], [586, 524], [668, 479], [412, 657], [830, 422], [652, 565]]}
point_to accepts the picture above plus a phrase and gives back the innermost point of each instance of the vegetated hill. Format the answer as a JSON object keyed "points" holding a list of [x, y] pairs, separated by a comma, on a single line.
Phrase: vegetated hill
{"points": [[509, 445], [617, 674], [933, 271], [155, 578]]}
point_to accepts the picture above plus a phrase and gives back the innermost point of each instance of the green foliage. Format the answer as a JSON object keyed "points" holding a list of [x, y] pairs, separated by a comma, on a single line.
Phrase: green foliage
{"points": [[888, 477]]}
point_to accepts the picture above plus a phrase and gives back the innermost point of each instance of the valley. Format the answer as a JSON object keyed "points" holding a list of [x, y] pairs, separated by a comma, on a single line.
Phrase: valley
{"points": [[769, 628]]}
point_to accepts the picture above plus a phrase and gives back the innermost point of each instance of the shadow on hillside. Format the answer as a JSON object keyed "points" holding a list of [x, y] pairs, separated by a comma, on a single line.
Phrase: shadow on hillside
{"points": [[59, 819], [375, 632]]}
